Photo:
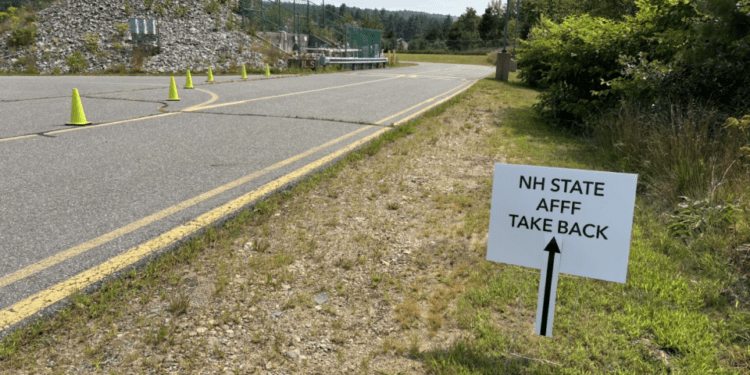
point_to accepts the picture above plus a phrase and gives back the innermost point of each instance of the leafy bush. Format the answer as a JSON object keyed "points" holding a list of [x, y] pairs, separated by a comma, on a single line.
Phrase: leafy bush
{"points": [[77, 63], [573, 59], [122, 29], [230, 22], [212, 7], [672, 50], [91, 42], [22, 36], [180, 11], [693, 217]]}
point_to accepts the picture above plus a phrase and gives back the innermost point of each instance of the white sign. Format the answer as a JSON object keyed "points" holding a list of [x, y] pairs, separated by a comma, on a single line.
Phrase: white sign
{"points": [[561, 220]]}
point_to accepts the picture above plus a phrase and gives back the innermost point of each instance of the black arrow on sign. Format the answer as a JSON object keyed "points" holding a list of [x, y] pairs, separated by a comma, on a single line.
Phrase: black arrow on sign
{"points": [[552, 248]]}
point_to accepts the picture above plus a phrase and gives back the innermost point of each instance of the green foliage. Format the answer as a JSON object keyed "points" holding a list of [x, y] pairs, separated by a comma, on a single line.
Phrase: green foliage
{"points": [[212, 7], [22, 36], [181, 10], [91, 42], [230, 22], [76, 62], [677, 150], [127, 8], [693, 217], [465, 30], [122, 29], [4, 17], [671, 51], [371, 22], [572, 59], [160, 9]]}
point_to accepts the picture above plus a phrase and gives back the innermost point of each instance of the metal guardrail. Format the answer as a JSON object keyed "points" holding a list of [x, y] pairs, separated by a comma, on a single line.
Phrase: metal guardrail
{"points": [[353, 62]]}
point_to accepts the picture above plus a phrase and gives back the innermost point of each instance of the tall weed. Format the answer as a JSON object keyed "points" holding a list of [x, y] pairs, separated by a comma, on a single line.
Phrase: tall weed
{"points": [[678, 150]]}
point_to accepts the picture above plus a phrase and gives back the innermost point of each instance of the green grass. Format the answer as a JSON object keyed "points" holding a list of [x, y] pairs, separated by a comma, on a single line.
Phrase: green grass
{"points": [[678, 312], [447, 59]]}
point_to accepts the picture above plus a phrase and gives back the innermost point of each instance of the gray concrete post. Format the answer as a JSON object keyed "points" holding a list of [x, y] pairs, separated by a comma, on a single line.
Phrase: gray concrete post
{"points": [[503, 66]]}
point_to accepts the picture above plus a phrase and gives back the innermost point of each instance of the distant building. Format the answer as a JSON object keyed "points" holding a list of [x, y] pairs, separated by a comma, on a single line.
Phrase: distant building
{"points": [[402, 45]]}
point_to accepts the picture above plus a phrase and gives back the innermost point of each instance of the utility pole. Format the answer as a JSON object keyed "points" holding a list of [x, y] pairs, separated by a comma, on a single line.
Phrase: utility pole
{"points": [[507, 19], [518, 9], [503, 58]]}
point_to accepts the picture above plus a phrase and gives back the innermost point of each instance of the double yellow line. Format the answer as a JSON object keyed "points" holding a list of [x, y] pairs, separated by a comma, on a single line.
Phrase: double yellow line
{"points": [[45, 298]]}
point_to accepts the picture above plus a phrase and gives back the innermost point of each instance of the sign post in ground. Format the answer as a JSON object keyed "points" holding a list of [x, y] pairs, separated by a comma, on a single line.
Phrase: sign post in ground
{"points": [[561, 220]]}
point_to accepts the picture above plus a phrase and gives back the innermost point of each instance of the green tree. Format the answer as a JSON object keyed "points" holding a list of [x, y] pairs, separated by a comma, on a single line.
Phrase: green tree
{"points": [[464, 32], [371, 22], [489, 26], [434, 34]]}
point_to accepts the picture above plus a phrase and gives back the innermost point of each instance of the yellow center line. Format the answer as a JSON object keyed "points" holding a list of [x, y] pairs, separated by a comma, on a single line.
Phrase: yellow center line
{"points": [[214, 98], [67, 254], [417, 105], [45, 298], [74, 251], [60, 257]]}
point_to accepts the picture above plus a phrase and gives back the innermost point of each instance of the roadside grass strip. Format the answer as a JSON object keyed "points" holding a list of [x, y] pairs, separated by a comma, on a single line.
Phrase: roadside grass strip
{"points": [[395, 235]]}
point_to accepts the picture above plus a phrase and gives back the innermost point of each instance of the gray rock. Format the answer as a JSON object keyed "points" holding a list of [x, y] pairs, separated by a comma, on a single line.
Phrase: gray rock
{"points": [[321, 298], [292, 354], [63, 24], [276, 314]]}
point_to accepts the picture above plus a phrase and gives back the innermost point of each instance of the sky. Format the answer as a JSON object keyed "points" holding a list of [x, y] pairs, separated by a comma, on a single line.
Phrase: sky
{"points": [[452, 7]]}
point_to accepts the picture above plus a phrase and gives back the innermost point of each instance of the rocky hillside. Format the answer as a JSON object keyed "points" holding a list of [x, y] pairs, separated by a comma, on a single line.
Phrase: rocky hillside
{"points": [[194, 34]]}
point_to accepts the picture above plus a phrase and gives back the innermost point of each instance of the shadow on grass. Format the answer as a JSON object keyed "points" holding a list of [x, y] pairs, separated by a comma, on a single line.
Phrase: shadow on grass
{"points": [[465, 359]]}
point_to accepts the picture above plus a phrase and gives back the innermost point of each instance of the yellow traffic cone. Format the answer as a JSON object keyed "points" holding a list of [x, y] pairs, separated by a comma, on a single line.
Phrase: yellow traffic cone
{"points": [[173, 90], [268, 72], [77, 117], [244, 73], [210, 75], [188, 81]]}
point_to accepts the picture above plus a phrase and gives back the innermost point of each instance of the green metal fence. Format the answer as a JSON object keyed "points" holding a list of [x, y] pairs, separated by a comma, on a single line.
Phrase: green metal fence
{"points": [[366, 40]]}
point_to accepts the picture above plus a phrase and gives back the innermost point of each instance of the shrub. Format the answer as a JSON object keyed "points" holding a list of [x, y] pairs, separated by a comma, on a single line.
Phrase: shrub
{"points": [[122, 29], [212, 7], [23, 36], [230, 22], [76, 62], [573, 59], [677, 150], [139, 55], [180, 11], [672, 50], [91, 42]]}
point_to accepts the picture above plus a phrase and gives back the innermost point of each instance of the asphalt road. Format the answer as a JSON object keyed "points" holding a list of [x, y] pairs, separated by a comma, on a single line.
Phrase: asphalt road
{"points": [[73, 198]]}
